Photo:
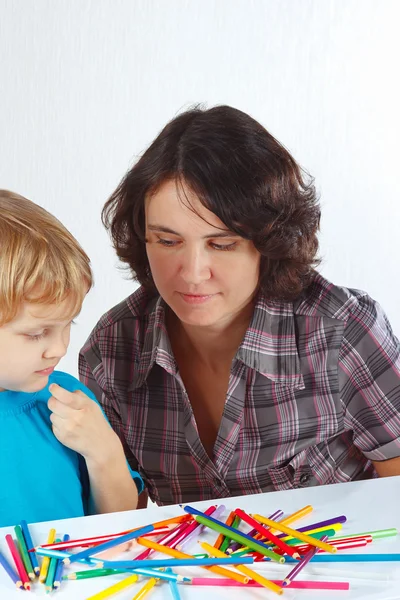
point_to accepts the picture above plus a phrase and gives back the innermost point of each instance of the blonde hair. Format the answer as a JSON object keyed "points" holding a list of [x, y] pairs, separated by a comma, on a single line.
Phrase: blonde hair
{"points": [[40, 261]]}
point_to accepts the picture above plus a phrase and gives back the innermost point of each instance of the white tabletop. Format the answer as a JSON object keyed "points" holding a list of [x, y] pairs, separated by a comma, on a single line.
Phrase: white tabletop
{"points": [[368, 505]]}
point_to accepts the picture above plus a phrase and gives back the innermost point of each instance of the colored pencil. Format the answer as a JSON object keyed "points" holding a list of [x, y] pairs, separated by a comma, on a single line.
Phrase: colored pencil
{"points": [[360, 543], [46, 561], [52, 572], [60, 567], [300, 566], [145, 589], [189, 530], [110, 544], [10, 572], [295, 533], [228, 541], [29, 544], [291, 541], [95, 541], [253, 533], [221, 537], [299, 514], [114, 589], [335, 523], [177, 554], [243, 569], [341, 558], [23, 575], [91, 573], [245, 539], [173, 520], [23, 550], [377, 535], [299, 585], [176, 562], [173, 587], [267, 533]]}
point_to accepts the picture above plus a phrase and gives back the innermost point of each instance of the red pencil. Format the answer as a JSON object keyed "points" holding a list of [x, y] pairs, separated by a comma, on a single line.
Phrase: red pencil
{"points": [[290, 550], [18, 562], [94, 541]]}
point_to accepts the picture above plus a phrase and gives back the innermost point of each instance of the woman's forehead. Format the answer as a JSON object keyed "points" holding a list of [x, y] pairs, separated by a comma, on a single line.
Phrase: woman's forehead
{"points": [[175, 206]]}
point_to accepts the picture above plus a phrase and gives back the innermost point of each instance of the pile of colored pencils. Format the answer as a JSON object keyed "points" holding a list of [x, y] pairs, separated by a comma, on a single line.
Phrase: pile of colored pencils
{"points": [[244, 543]]}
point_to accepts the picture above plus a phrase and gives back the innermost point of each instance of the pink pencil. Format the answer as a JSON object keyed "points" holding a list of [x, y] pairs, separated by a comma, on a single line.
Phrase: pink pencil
{"points": [[23, 575], [345, 546], [297, 584]]}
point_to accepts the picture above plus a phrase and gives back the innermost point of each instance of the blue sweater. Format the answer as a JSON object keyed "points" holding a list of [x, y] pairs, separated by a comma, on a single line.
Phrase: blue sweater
{"points": [[40, 479]]}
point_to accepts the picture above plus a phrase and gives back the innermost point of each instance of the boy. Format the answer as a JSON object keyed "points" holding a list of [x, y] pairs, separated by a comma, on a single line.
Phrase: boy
{"points": [[59, 457]]}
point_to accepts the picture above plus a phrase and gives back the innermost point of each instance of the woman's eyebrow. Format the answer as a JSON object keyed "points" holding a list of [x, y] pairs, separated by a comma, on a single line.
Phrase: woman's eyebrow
{"points": [[218, 234]]}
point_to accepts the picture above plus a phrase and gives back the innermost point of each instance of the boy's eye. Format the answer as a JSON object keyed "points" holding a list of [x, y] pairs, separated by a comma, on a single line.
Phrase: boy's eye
{"points": [[37, 336]]}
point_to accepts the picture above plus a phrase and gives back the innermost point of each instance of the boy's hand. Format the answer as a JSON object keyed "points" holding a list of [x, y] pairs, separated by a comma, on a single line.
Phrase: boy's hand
{"points": [[79, 424]]}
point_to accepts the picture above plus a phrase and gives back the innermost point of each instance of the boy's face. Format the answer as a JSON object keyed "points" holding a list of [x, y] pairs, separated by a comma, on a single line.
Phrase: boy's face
{"points": [[32, 344]]}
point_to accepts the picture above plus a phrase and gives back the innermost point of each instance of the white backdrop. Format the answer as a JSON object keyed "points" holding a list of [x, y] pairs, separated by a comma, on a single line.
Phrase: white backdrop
{"points": [[85, 85]]}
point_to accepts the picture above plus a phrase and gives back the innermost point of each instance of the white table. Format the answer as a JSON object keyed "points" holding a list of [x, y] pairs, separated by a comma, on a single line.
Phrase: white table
{"points": [[368, 505]]}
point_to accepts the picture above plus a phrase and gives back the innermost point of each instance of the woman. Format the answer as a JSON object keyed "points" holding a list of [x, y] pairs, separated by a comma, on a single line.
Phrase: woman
{"points": [[236, 368]]}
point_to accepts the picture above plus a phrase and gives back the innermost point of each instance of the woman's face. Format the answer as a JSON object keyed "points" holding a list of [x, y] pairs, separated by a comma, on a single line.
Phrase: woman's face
{"points": [[204, 272]]}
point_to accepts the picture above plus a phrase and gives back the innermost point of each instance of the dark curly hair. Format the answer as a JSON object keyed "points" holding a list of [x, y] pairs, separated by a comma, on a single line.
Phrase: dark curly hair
{"points": [[242, 174]]}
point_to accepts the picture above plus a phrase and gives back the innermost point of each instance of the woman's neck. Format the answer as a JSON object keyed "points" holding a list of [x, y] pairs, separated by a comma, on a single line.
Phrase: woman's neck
{"points": [[209, 344]]}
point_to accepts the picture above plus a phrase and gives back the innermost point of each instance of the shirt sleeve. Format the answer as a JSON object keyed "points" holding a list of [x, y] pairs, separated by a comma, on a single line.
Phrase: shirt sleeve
{"points": [[110, 409], [369, 379]]}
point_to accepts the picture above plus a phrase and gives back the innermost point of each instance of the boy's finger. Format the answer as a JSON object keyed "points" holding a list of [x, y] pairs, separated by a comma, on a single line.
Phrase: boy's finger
{"points": [[74, 400]]}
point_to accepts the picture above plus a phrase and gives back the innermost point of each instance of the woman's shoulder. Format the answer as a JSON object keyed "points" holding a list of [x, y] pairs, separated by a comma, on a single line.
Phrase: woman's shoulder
{"points": [[322, 298]]}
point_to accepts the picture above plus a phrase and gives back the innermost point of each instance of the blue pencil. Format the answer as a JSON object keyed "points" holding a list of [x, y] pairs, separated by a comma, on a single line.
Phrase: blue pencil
{"points": [[234, 534], [338, 558], [177, 562], [102, 547], [10, 571], [59, 569], [29, 545], [62, 554], [173, 587]]}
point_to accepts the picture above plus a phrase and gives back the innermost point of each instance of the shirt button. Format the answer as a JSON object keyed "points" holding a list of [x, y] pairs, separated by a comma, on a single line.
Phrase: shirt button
{"points": [[304, 479], [218, 482]]}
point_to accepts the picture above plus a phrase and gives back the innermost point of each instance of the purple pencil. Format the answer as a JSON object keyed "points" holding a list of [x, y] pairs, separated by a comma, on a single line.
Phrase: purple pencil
{"points": [[340, 519], [196, 532], [305, 560]]}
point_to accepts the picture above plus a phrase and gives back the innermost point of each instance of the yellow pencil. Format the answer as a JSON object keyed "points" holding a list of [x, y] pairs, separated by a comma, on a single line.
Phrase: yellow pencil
{"points": [[299, 514], [114, 589], [46, 560], [296, 534], [145, 589], [243, 569], [336, 527], [176, 554]]}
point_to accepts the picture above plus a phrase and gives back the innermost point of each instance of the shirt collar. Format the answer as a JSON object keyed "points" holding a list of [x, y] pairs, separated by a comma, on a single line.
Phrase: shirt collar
{"points": [[269, 345]]}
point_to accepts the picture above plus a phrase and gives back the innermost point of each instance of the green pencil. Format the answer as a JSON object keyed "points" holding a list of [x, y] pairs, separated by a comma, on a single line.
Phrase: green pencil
{"points": [[23, 550], [51, 572], [93, 573], [244, 539], [227, 539]]}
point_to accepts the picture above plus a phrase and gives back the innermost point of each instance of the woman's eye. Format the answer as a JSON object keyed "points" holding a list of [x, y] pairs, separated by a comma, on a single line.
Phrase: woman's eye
{"points": [[168, 243], [223, 246]]}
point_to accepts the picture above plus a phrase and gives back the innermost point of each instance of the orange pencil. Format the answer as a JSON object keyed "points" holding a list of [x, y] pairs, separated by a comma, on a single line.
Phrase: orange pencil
{"points": [[221, 536], [18, 562], [176, 554]]}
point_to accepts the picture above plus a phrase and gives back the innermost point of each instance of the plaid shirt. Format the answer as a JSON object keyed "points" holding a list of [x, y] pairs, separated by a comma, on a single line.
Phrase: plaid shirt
{"points": [[313, 396]]}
